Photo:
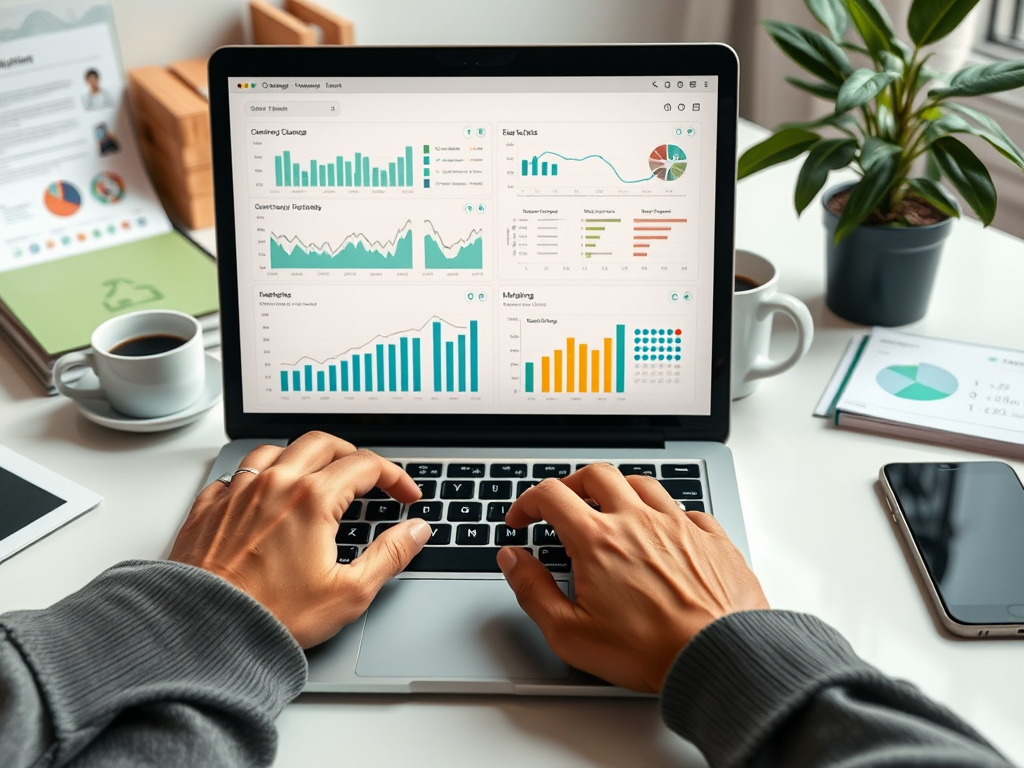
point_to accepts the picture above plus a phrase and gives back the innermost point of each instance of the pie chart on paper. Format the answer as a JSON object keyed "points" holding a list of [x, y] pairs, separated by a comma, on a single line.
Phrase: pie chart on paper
{"points": [[62, 198], [917, 382]]}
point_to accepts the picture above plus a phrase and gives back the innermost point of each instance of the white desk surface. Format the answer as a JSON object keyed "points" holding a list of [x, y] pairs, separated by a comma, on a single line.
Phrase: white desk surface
{"points": [[819, 537]]}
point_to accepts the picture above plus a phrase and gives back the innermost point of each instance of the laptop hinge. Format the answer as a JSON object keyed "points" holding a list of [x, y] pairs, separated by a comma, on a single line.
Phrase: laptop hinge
{"points": [[507, 439]]}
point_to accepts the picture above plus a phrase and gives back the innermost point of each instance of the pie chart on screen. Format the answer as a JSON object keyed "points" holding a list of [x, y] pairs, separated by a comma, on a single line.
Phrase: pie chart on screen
{"points": [[62, 198], [917, 382]]}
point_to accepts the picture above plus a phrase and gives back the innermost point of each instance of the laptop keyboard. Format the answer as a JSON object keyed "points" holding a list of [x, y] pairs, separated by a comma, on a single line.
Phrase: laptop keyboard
{"points": [[465, 503]]}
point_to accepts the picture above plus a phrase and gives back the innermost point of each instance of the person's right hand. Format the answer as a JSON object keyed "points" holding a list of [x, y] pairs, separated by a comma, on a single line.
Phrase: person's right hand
{"points": [[648, 576]]}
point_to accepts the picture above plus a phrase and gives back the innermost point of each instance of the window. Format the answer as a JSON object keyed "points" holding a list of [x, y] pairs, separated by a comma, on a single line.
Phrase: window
{"points": [[1005, 28]]}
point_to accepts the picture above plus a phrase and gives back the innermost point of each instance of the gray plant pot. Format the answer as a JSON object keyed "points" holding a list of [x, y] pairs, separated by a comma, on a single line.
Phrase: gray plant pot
{"points": [[881, 275]]}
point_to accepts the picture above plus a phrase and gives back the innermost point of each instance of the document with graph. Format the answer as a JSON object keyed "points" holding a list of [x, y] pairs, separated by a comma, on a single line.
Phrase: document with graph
{"points": [[959, 394], [461, 245]]}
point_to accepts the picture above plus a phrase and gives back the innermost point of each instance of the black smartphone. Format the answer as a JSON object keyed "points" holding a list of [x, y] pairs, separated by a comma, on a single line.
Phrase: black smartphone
{"points": [[964, 525]]}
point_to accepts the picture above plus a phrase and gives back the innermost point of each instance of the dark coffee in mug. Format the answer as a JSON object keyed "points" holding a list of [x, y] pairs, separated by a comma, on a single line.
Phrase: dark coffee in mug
{"points": [[745, 284], [143, 346]]}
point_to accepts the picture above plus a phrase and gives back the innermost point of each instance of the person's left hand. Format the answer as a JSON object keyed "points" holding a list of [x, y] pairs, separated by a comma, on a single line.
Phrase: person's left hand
{"points": [[272, 534]]}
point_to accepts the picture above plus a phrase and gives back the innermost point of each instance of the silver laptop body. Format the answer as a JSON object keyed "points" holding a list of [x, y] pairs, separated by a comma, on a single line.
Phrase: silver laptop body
{"points": [[490, 265]]}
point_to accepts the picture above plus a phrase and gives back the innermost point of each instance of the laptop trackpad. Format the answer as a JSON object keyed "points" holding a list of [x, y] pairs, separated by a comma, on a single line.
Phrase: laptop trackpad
{"points": [[428, 628]]}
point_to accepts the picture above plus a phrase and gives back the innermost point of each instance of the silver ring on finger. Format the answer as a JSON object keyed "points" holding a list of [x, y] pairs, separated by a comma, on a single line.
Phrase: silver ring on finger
{"points": [[226, 478], [240, 470]]}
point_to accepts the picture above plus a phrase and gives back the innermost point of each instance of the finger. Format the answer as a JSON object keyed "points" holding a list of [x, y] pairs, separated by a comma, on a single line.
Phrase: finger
{"points": [[358, 472], [706, 523], [604, 484], [386, 557], [313, 451], [260, 459], [653, 494], [556, 503], [537, 592]]}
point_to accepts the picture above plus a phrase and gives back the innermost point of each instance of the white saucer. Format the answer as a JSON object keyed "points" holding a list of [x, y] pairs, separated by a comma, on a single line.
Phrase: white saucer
{"points": [[100, 411]]}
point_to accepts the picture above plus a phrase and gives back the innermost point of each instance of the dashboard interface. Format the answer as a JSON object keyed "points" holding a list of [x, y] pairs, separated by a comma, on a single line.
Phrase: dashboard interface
{"points": [[475, 245]]}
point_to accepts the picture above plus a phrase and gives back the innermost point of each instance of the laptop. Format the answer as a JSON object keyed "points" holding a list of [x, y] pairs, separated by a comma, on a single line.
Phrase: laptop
{"points": [[492, 266]]}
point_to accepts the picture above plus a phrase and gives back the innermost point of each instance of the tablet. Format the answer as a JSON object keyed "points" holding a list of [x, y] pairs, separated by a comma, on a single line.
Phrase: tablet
{"points": [[35, 501]]}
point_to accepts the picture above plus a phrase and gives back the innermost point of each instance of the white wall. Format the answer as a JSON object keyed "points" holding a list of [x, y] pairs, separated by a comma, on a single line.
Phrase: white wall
{"points": [[161, 31]]}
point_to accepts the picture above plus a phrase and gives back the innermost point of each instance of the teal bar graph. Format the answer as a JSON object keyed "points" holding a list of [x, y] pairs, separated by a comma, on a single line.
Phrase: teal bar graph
{"points": [[620, 358], [279, 171], [286, 160], [305, 178], [339, 172], [398, 363], [528, 377], [358, 182], [330, 176], [323, 176], [366, 171], [408, 166], [312, 173]]}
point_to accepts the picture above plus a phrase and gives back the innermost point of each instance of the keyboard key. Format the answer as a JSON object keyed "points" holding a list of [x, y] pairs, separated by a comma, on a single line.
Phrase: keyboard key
{"points": [[375, 493], [353, 533], [523, 485], [637, 469], [545, 534], [383, 510], [680, 470], [504, 535], [508, 470], [555, 559], [496, 511], [541, 471], [464, 511], [458, 489], [426, 510], [347, 554], [581, 466], [428, 488], [381, 527], [424, 470], [352, 513], [397, 464], [496, 489], [455, 560], [683, 489], [473, 534], [465, 470], [694, 506], [440, 534]]}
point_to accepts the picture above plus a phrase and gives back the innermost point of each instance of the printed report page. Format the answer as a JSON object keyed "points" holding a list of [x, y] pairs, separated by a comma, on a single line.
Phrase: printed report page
{"points": [[475, 245]]}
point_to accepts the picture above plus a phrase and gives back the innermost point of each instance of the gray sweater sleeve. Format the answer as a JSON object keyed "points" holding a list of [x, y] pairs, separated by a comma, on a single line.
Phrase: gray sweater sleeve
{"points": [[775, 688], [152, 663]]}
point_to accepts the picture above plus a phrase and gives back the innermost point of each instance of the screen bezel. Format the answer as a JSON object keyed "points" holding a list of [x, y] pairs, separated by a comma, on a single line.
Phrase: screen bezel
{"points": [[922, 563], [473, 429]]}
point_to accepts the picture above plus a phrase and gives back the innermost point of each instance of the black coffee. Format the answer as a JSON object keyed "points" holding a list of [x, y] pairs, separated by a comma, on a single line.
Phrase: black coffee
{"points": [[142, 346], [745, 284]]}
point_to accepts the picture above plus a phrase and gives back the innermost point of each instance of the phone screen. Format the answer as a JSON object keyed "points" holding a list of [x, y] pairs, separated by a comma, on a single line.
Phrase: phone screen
{"points": [[967, 521], [22, 503]]}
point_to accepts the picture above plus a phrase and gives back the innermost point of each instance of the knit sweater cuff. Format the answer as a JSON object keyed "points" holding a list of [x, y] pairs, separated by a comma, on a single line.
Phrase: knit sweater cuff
{"points": [[144, 632], [746, 673]]}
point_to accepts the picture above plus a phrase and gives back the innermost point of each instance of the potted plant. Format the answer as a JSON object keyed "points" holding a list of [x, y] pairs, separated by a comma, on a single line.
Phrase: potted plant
{"points": [[885, 231]]}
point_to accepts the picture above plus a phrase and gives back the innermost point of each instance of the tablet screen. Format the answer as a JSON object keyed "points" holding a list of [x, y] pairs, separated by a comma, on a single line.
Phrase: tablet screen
{"points": [[23, 503]]}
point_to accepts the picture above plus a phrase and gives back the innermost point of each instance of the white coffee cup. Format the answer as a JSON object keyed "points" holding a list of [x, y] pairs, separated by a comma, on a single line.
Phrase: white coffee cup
{"points": [[137, 384], [752, 313]]}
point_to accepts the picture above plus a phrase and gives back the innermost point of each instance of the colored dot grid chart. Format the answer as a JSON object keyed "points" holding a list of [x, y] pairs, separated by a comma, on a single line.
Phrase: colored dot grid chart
{"points": [[657, 344]]}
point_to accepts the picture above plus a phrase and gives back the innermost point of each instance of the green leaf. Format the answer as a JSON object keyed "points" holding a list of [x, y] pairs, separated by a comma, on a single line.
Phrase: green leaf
{"points": [[777, 148], [892, 64], [860, 88], [876, 149], [931, 168], [866, 195], [933, 194], [874, 25], [932, 113], [845, 123], [811, 50], [968, 174], [983, 78], [886, 122], [825, 156], [847, 45], [831, 14], [821, 90], [990, 131], [932, 20]]}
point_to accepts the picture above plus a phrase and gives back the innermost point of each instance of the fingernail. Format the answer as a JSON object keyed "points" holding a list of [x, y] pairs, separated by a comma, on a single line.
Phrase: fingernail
{"points": [[420, 531], [507, 559]]}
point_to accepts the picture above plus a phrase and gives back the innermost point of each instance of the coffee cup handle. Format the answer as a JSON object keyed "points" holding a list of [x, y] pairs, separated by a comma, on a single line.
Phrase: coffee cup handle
{"points": [[797, 311], [69, 362]]}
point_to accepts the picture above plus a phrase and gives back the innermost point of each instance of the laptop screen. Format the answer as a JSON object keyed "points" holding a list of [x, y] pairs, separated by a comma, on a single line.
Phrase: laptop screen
{"points": [[475, 245]]}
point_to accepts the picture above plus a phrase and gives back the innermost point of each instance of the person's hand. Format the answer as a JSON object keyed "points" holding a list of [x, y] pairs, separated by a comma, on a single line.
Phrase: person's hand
{"points": [[272, 534], [648, 576]]}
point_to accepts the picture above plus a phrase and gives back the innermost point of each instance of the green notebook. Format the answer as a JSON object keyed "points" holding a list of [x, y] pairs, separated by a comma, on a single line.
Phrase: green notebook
{"points": [[57, 304]]}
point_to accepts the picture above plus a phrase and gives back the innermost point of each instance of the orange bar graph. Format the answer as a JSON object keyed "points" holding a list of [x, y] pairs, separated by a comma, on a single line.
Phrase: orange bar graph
{"points": [[558, 370], [570, 364], [595, 367], [545, 374], [607, 365], [583, 367]]}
